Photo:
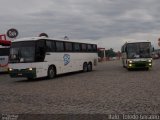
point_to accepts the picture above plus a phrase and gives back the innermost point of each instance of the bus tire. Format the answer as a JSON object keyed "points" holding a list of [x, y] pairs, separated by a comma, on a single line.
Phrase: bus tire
{"points": [[147, 69], [85, 67], [89, 66], [51, 72], [129, 69]]}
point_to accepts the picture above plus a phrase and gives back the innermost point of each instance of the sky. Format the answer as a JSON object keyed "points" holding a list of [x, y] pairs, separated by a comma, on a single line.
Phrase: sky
{"points": [[108, 23]]}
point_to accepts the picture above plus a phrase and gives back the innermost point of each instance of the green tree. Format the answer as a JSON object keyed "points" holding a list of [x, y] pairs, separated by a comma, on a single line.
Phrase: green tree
{"points": [[110, 53]]}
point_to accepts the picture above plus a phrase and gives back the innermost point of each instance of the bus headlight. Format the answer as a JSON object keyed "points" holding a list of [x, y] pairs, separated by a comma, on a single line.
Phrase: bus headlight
{"points": [[10, 69], [130, 61], [130, 65], [30, 69], [150, 64], [149, 60]]}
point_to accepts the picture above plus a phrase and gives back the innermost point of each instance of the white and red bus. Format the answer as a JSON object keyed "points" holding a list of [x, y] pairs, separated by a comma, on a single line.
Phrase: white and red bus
{"points": [[4, 53]]}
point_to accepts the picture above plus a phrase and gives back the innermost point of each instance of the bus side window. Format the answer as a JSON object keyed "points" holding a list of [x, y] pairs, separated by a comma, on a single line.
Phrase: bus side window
{"points": [[89, 48], [59, 46], [84, 47], [50, 46], [77, 47], [68, 47], [94, 48], [40, 50]]}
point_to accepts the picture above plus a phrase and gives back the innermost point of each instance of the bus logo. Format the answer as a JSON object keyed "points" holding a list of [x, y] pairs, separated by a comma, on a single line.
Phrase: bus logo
{"points": [[66, 59]]}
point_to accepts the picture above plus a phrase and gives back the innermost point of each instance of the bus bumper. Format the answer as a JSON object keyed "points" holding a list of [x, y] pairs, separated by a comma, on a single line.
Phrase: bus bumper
{"points": [[3, 69], [28, 73], [140, 65]]}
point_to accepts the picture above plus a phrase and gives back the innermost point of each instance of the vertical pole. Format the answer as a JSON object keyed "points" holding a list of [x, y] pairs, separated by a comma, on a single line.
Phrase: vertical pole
{"points": [[5, 37], [104, 58]]}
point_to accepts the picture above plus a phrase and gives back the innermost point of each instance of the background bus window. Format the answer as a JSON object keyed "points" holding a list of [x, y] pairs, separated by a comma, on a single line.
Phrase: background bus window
{"points": [[4, 51], [59, 46]]}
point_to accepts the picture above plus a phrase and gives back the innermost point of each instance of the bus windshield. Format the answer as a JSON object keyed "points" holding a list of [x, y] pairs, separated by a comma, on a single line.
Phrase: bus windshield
{"points": [[139, 50], [22, 52]]}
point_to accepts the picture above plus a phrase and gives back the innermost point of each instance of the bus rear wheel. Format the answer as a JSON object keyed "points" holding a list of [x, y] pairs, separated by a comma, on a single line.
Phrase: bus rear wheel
{"points": [[147, 68], [85, 67], [89, 67], [51, 72]]}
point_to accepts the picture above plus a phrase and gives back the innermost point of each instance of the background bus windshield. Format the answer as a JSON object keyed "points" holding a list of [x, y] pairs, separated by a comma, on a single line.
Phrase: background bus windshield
{"points": [[4, 51], [139, 50]]}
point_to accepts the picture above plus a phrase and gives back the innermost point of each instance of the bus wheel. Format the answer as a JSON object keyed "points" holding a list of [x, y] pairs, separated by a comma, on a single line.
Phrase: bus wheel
{"points": [[85, 67], [89, 67], [129, 69], [51, 72]]}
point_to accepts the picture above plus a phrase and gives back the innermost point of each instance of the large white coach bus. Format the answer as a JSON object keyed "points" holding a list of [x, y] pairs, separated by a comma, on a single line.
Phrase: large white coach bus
{"points": [[39, 57], [137, 55]]}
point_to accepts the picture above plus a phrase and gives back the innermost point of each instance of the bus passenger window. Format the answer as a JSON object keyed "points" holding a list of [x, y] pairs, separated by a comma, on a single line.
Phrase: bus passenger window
{"points": [[84, 47], [40, 51], [89, 48], [59, 46], [94, 48], [77, 47], [68, 46], [50, 46]]}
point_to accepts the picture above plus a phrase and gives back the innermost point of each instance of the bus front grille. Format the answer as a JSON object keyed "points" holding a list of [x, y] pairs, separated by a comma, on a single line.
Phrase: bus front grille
{"points": [[140, 64]]}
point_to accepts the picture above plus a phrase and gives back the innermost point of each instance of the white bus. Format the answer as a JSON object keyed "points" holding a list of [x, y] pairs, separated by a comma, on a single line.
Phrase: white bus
{"points": [[39, 57], [137, 55], [4, 53]]}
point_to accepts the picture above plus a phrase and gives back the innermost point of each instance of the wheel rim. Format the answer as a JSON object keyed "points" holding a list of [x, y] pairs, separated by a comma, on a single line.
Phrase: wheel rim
{"points": [[89, 67], [51, 73], [85, 67]]}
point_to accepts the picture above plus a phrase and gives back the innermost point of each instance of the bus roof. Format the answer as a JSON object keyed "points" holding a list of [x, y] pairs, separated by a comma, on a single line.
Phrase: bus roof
{"points": [[38, 38], [137, 41], [28, 39]]}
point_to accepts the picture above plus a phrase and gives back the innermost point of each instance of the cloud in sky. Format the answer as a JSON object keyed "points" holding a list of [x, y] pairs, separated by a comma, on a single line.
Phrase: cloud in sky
{"points": [[109, 23]]}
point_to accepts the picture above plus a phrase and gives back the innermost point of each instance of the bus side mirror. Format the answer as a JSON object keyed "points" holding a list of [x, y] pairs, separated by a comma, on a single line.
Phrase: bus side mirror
{"points": [[125, 49], [152, 49]]}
